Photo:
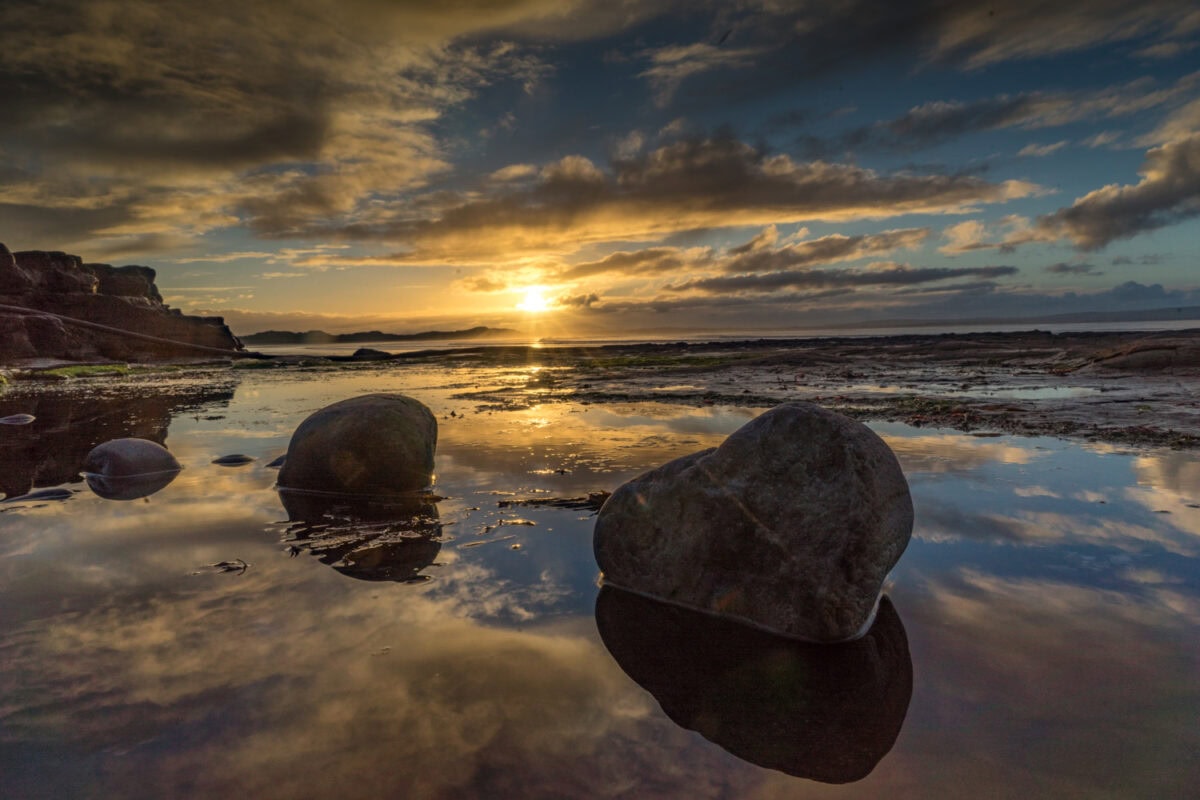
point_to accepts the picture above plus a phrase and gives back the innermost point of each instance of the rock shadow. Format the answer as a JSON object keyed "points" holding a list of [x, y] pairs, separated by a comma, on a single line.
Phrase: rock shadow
{"points": [[826, 712], [372, 538]]}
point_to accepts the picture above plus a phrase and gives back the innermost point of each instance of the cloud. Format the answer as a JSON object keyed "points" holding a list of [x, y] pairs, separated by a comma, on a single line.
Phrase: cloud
{"points": [[884, 274], [1181, 124], [159, 118], [1041, 150], [1101, 139], [579, 300], [763, 240], [970, 235], [671, 65], [687, 185], [979, 35], [1169, 192], [825, 250], [651, 261], [942, 120], [1063, 268]]}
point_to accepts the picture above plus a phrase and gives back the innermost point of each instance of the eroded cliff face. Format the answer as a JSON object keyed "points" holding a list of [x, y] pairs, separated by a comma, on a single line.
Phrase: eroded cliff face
{"points": [[124, 298]]}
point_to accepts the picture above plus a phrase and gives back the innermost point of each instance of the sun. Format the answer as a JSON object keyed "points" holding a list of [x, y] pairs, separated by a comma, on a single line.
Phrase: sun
{"points": [[535, 301]]}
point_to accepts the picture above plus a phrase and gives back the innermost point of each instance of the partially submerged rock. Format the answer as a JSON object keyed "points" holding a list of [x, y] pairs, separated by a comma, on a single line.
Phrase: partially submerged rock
{"points": [[374, 444], [125, 457], [233, 460], [791, 525], [128, 469]]}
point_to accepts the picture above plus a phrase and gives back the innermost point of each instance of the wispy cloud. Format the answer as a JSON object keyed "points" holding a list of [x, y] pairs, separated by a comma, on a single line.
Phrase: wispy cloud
{"points": [[671, 65], [1042, 150]]}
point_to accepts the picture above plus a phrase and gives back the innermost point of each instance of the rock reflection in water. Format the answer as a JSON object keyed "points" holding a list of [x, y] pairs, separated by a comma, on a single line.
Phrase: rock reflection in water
{"points": [[375, 538], [52, 450], [827, 712], [129, 487]]}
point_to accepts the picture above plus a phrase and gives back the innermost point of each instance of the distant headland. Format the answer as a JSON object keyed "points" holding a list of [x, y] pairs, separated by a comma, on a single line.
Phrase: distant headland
{"points": [[321, 337]]}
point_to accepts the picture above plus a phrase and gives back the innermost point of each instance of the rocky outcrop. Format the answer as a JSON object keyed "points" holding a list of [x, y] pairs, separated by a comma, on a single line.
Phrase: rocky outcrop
{"points": [[790, 525], [94, 297]]}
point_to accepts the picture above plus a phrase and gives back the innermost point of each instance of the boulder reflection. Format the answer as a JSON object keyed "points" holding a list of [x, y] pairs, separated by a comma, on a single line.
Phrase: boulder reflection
{"points": [[373, 538], [129, 487], [827, 712], [51, 450]]}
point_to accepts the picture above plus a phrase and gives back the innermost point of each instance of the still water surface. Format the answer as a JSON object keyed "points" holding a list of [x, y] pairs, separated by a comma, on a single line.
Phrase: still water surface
{"points": [[1042, 639]]}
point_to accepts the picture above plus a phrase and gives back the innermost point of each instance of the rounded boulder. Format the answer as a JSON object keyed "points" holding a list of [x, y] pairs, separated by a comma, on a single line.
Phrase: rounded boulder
{"points": [[791, 525], [374, 444], [122, 458]]}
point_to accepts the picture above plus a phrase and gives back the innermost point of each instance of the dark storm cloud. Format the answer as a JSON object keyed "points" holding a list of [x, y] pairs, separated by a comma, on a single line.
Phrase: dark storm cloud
{"points": [[1169, 192], [895, 275]]}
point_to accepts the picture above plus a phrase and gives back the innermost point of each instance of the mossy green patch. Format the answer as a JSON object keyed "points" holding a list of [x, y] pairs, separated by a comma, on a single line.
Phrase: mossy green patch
{"points": [[86, 371]]}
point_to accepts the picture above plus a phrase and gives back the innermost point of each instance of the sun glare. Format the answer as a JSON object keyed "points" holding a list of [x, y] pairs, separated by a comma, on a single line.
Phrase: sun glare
{"points": [[535, 301]]}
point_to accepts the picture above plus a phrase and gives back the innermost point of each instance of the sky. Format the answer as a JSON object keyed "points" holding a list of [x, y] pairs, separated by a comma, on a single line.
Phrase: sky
{"points": [[585, 166]]}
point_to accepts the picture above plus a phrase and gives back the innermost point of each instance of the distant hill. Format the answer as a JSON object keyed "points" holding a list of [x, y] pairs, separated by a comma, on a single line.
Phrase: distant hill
{"points": [[321, 337]]}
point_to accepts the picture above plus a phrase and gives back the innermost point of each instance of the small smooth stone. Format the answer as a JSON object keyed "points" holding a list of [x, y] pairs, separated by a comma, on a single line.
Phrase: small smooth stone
{"points": [[17, 419], [235, 460], [278, 462], [791, 525], [127, 457], [42, 494]]}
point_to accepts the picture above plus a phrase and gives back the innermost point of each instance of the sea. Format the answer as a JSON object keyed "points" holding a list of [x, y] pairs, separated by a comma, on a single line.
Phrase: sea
{"points": [[204, 635]]}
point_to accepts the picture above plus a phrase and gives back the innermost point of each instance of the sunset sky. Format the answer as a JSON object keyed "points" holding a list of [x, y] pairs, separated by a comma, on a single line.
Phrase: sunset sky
{"points": [[607, 165]]}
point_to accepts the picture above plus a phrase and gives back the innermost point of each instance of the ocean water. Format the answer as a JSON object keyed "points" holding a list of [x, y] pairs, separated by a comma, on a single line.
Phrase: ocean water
{"points": [[1041, 636], [536, 338]]}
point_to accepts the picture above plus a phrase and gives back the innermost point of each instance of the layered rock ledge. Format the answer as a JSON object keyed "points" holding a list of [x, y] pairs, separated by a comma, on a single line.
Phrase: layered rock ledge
{"points": [[113, 313]]}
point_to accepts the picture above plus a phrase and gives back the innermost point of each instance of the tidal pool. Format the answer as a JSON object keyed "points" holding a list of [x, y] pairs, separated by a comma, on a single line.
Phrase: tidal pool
{"points": [[1042, 636]]}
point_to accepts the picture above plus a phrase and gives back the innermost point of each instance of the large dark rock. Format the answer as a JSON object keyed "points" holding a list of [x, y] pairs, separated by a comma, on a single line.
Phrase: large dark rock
{"points": [[792, 524], [377, 444], [122, 298], [825, 712]]}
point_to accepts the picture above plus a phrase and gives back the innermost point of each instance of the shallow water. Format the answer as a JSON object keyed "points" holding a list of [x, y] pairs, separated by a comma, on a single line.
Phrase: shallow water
{"points": [[197, 643]]}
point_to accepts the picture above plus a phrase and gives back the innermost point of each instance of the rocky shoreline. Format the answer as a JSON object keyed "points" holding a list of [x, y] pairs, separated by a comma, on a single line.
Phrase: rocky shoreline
{"points": [[55, 307], [1133, 388], [1120, 388]]}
